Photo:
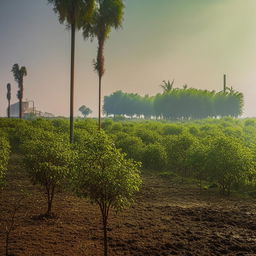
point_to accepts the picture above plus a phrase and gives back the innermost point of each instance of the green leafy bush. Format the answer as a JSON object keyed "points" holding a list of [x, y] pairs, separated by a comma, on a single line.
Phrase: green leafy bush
{"points": [[48, 162], [154, 157], [130, 144], [105, 176], [177, 148], [229, 162]]}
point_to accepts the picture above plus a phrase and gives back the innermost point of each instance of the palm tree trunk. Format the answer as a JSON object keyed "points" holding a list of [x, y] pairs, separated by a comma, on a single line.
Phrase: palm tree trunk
{"points": [[9, 109], [99, 121], [20, 108], [72, 68]]}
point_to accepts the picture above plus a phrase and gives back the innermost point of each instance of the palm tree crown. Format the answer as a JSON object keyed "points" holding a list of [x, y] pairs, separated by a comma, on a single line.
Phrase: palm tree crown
{"points": [[108, 14], [73, 11], [19, 73], [167, 86]]}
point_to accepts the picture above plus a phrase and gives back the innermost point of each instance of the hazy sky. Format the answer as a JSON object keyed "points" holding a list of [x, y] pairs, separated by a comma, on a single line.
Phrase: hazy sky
{"points": [[192, 41]]}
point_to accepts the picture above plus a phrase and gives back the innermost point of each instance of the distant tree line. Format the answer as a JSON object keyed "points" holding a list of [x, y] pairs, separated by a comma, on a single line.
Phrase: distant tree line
{"points": [[176, 103]]}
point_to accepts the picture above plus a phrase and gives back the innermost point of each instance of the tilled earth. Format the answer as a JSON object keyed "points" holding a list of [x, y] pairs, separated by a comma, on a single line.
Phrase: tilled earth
{"points": [[166, 219]]}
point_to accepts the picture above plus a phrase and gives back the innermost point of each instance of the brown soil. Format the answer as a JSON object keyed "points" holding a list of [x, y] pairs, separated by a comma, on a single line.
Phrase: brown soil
{"points": [[166, 219]]}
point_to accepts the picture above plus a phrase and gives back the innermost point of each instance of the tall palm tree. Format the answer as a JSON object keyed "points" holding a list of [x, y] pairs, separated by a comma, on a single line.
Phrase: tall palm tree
{"points": [[108, 15], [73, 13], [167, 86], [9, 99], [19, 73]]}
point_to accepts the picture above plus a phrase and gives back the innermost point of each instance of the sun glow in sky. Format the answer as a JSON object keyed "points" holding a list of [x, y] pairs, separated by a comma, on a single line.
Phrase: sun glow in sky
{"points": [[192, 41]]}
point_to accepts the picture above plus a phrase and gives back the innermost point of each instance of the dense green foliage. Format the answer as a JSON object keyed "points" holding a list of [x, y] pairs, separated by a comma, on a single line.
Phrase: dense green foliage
{"points": [[103, 172], [104, 165], [192, 149], [209, 151], [234, 162], [174, 104], [48, 157]]}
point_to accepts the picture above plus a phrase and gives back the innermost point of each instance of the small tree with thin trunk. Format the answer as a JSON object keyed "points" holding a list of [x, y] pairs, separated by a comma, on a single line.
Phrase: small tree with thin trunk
{"points": [[47, 162], [228, 162], [8, 96], [105, 176], [108, 15], [19, 73], [85, 111]]}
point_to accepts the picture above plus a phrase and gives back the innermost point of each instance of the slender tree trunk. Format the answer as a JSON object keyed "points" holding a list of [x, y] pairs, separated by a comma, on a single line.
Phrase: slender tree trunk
{"points": [[50, 196], [49, 207], [104, 208], [9, 109], [99, 121], [105, 235], [72, 68], [20, 108]]}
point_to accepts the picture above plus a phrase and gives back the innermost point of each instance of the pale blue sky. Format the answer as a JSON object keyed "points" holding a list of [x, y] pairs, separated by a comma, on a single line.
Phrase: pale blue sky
{"points": [[191, 41]]}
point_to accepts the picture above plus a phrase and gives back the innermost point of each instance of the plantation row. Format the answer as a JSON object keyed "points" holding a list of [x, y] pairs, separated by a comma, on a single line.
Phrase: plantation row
{"points": [[220, 152], [92, 167], [176, 104], [211, 151], [4, 156], [104, 166]]}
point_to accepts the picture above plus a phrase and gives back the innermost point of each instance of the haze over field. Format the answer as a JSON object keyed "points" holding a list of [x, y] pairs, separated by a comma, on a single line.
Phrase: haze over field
{"points": [[192, 41]]}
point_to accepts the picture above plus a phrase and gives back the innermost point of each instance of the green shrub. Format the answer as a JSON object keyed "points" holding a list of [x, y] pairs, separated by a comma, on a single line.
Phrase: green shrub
{"points": [[177, 148], [172, 129], [229, 162], [129, 144], [154, 157], [105, 176], [48, 161], [147, 136]]}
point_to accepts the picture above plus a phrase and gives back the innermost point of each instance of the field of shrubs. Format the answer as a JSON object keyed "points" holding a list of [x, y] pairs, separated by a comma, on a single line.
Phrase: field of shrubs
{"points": [[143, 164], [217, 152]]}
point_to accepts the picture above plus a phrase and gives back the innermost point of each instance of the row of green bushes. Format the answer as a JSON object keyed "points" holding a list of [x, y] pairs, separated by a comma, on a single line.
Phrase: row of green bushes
{"points": [[92, 167], [220, 151], [4, 155], [217, 153]]}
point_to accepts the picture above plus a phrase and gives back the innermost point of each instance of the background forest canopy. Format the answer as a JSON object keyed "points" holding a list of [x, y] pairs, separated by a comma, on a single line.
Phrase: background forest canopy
{"points": [[176, 103]]}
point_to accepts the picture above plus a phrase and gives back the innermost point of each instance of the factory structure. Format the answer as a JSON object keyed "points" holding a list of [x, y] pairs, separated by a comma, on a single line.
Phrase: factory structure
{"points": [[28, 109]]}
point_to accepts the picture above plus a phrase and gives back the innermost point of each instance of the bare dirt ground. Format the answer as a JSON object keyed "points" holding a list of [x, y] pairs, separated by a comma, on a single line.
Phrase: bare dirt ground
{"points": [[166, 219]]}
